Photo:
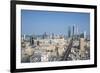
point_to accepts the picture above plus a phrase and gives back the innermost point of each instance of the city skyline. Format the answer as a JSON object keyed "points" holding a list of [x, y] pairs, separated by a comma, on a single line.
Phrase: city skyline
{"points": [[38, 22]]}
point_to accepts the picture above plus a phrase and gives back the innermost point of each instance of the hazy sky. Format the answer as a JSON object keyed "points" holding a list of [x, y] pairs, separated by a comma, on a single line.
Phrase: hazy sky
{"points": [[38, 22]]}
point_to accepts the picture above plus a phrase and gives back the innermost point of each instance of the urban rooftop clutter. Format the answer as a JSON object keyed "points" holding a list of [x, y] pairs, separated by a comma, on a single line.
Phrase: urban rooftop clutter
{"points": [[55, 47]]}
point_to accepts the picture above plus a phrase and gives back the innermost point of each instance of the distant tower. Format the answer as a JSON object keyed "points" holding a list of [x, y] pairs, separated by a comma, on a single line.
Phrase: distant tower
{"points": [[77, 31], [45, 35], [73, 30], [24, 37], [85, 34], [69, 32], [31, 40], [52, 35]]}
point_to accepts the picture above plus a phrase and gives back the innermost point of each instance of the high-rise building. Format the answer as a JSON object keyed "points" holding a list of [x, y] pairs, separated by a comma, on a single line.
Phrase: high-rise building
{"points": [[24, 36], [85, 34], [31, 40], [77, 31], [73, 29], [69, 32], [52, 35], [45, 35]]}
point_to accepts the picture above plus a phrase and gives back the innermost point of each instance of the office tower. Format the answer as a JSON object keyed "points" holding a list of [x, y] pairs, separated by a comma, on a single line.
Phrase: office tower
{"points": [[77, 31], [69, 32], [85, 34], [73, 31], [52, 35], [44, 35], [31, 40], [24, 36]]}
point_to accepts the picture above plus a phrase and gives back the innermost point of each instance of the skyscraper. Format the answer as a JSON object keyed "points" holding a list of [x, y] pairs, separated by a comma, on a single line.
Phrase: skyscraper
{"points": [[73, 30], [85, 34], [69, 32], [77, 31], [31, 40]]}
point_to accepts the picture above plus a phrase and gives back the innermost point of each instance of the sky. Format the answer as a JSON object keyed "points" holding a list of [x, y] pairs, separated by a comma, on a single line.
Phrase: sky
{"points": [[38, 22]]}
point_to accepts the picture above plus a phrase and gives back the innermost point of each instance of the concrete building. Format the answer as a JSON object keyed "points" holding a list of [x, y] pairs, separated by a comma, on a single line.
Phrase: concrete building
{"points": [[82, 48]]}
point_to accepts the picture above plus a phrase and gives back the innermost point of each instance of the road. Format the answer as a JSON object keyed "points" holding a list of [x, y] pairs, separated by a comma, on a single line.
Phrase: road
{"points": [[68, 50]]}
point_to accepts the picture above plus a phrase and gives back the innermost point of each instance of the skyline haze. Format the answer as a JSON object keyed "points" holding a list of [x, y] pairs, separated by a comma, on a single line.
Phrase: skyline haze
{"points": [[38, 22]]}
